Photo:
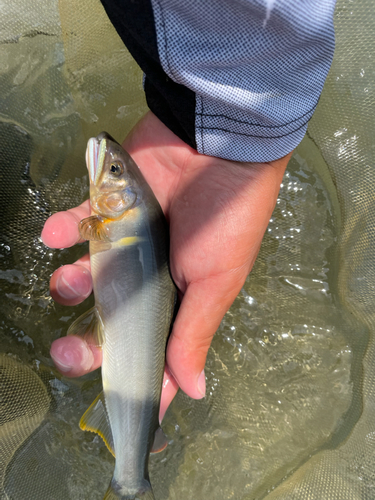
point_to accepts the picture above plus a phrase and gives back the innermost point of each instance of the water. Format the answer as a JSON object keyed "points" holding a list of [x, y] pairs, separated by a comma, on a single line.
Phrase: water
{"points": [[278, 371], [279, 379]]}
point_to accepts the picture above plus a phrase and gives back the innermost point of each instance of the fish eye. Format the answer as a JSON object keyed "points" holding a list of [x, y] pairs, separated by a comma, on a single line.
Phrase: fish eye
{"points": [[116, 168]]}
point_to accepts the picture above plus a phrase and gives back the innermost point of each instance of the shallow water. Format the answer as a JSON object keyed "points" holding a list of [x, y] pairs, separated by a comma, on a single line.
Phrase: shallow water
{"points": [[278, 371]]}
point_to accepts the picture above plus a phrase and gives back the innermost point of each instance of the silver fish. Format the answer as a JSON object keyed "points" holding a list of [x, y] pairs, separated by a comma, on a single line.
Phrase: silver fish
{"points": [[134, 301]]}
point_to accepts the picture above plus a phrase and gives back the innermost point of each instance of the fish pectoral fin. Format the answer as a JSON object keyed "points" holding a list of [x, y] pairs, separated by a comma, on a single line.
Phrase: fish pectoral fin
{"points": [[160, 441], [89, 326], [93, 228], [95, 419]]}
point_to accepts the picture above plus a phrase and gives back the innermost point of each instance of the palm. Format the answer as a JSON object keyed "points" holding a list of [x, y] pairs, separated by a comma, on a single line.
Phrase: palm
{"points": [[218, 211]]}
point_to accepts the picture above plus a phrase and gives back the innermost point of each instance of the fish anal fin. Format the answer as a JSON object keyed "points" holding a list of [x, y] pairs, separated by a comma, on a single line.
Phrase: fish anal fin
{"points": [[95, 419], [89, 326], [93, 228], [160, 441]]}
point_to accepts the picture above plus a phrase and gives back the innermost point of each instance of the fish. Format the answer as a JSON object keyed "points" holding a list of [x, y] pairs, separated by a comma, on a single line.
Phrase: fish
{"points": [[135, 299]]}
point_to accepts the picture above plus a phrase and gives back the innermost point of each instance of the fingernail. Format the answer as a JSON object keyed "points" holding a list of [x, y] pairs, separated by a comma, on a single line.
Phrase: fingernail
{"points": [[166, 380], [80, 288], [65, 360], [75, 358], [202, 384], [61, 367], [42, 238]]}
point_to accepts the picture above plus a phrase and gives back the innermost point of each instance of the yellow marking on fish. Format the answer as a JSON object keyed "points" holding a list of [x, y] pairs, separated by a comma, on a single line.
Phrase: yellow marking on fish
{"points": [[133, 213], [83, 427], [127, 241], [86, 423]]}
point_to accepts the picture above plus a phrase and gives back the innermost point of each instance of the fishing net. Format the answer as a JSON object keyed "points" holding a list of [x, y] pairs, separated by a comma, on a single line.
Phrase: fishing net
{"points": [[290, 406]]}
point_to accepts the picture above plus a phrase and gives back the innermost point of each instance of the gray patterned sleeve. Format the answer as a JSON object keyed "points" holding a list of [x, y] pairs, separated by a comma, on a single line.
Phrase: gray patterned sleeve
{"points": [[256, 69], [236, 79]]}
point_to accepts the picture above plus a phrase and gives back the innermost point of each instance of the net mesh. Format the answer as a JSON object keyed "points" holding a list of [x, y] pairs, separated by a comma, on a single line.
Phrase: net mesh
{"points": [[290, 389]]}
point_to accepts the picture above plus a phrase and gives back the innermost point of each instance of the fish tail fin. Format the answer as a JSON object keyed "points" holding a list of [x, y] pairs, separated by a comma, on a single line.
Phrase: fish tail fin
{"points": [[117, 492]]}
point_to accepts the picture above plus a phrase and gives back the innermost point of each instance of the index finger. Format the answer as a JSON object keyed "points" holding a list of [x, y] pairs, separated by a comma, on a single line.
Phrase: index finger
{"points": [[61, 229]]}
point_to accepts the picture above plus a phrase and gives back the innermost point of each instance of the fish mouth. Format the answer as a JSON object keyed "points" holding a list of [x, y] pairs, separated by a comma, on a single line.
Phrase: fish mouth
{"points": [[95, 154]]}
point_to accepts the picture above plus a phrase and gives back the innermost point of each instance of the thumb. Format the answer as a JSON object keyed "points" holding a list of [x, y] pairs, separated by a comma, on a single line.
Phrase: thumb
{"points": [[202, 308]]}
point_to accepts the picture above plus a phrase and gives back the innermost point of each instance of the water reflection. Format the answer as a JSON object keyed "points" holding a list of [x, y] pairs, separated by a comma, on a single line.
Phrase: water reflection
{"points": [[278, 372]]}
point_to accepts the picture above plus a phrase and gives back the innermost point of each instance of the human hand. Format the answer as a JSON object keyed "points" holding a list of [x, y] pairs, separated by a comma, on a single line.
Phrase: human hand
{"points": [[218, 211]]}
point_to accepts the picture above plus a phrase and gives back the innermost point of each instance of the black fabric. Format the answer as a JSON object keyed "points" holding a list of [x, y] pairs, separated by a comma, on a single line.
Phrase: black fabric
{"points": [[172, 103]]}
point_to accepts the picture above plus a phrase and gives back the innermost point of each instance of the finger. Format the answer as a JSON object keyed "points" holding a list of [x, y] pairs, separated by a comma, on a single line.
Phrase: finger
{"points": [[202, 309], [169, 390], [72, 284], [74, 357], [61, 229]]}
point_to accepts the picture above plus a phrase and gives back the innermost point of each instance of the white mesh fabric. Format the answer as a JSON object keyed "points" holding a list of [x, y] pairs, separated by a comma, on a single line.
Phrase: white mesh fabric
{"points": [[257, 73]]}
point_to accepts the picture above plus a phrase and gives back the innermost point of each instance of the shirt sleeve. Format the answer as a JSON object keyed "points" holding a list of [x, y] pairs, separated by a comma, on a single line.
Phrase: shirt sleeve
{"points": [[236, 79]]}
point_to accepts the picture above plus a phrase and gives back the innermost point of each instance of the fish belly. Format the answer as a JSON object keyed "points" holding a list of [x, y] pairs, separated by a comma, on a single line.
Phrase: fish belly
{"points": [[134, 294]]}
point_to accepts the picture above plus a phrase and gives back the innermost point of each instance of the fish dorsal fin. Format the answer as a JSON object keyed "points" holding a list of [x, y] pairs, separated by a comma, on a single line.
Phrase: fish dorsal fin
{"points": [[95, 419], [93, 228], [89, 326], [160, 441]]}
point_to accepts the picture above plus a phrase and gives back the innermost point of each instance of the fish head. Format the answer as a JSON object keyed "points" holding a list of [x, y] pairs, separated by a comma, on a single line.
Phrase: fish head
{"points": [[113, 177]]}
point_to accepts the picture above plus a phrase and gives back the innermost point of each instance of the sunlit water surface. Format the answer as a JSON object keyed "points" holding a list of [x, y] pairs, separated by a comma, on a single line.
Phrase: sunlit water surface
{"points": [[278, 371]]}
